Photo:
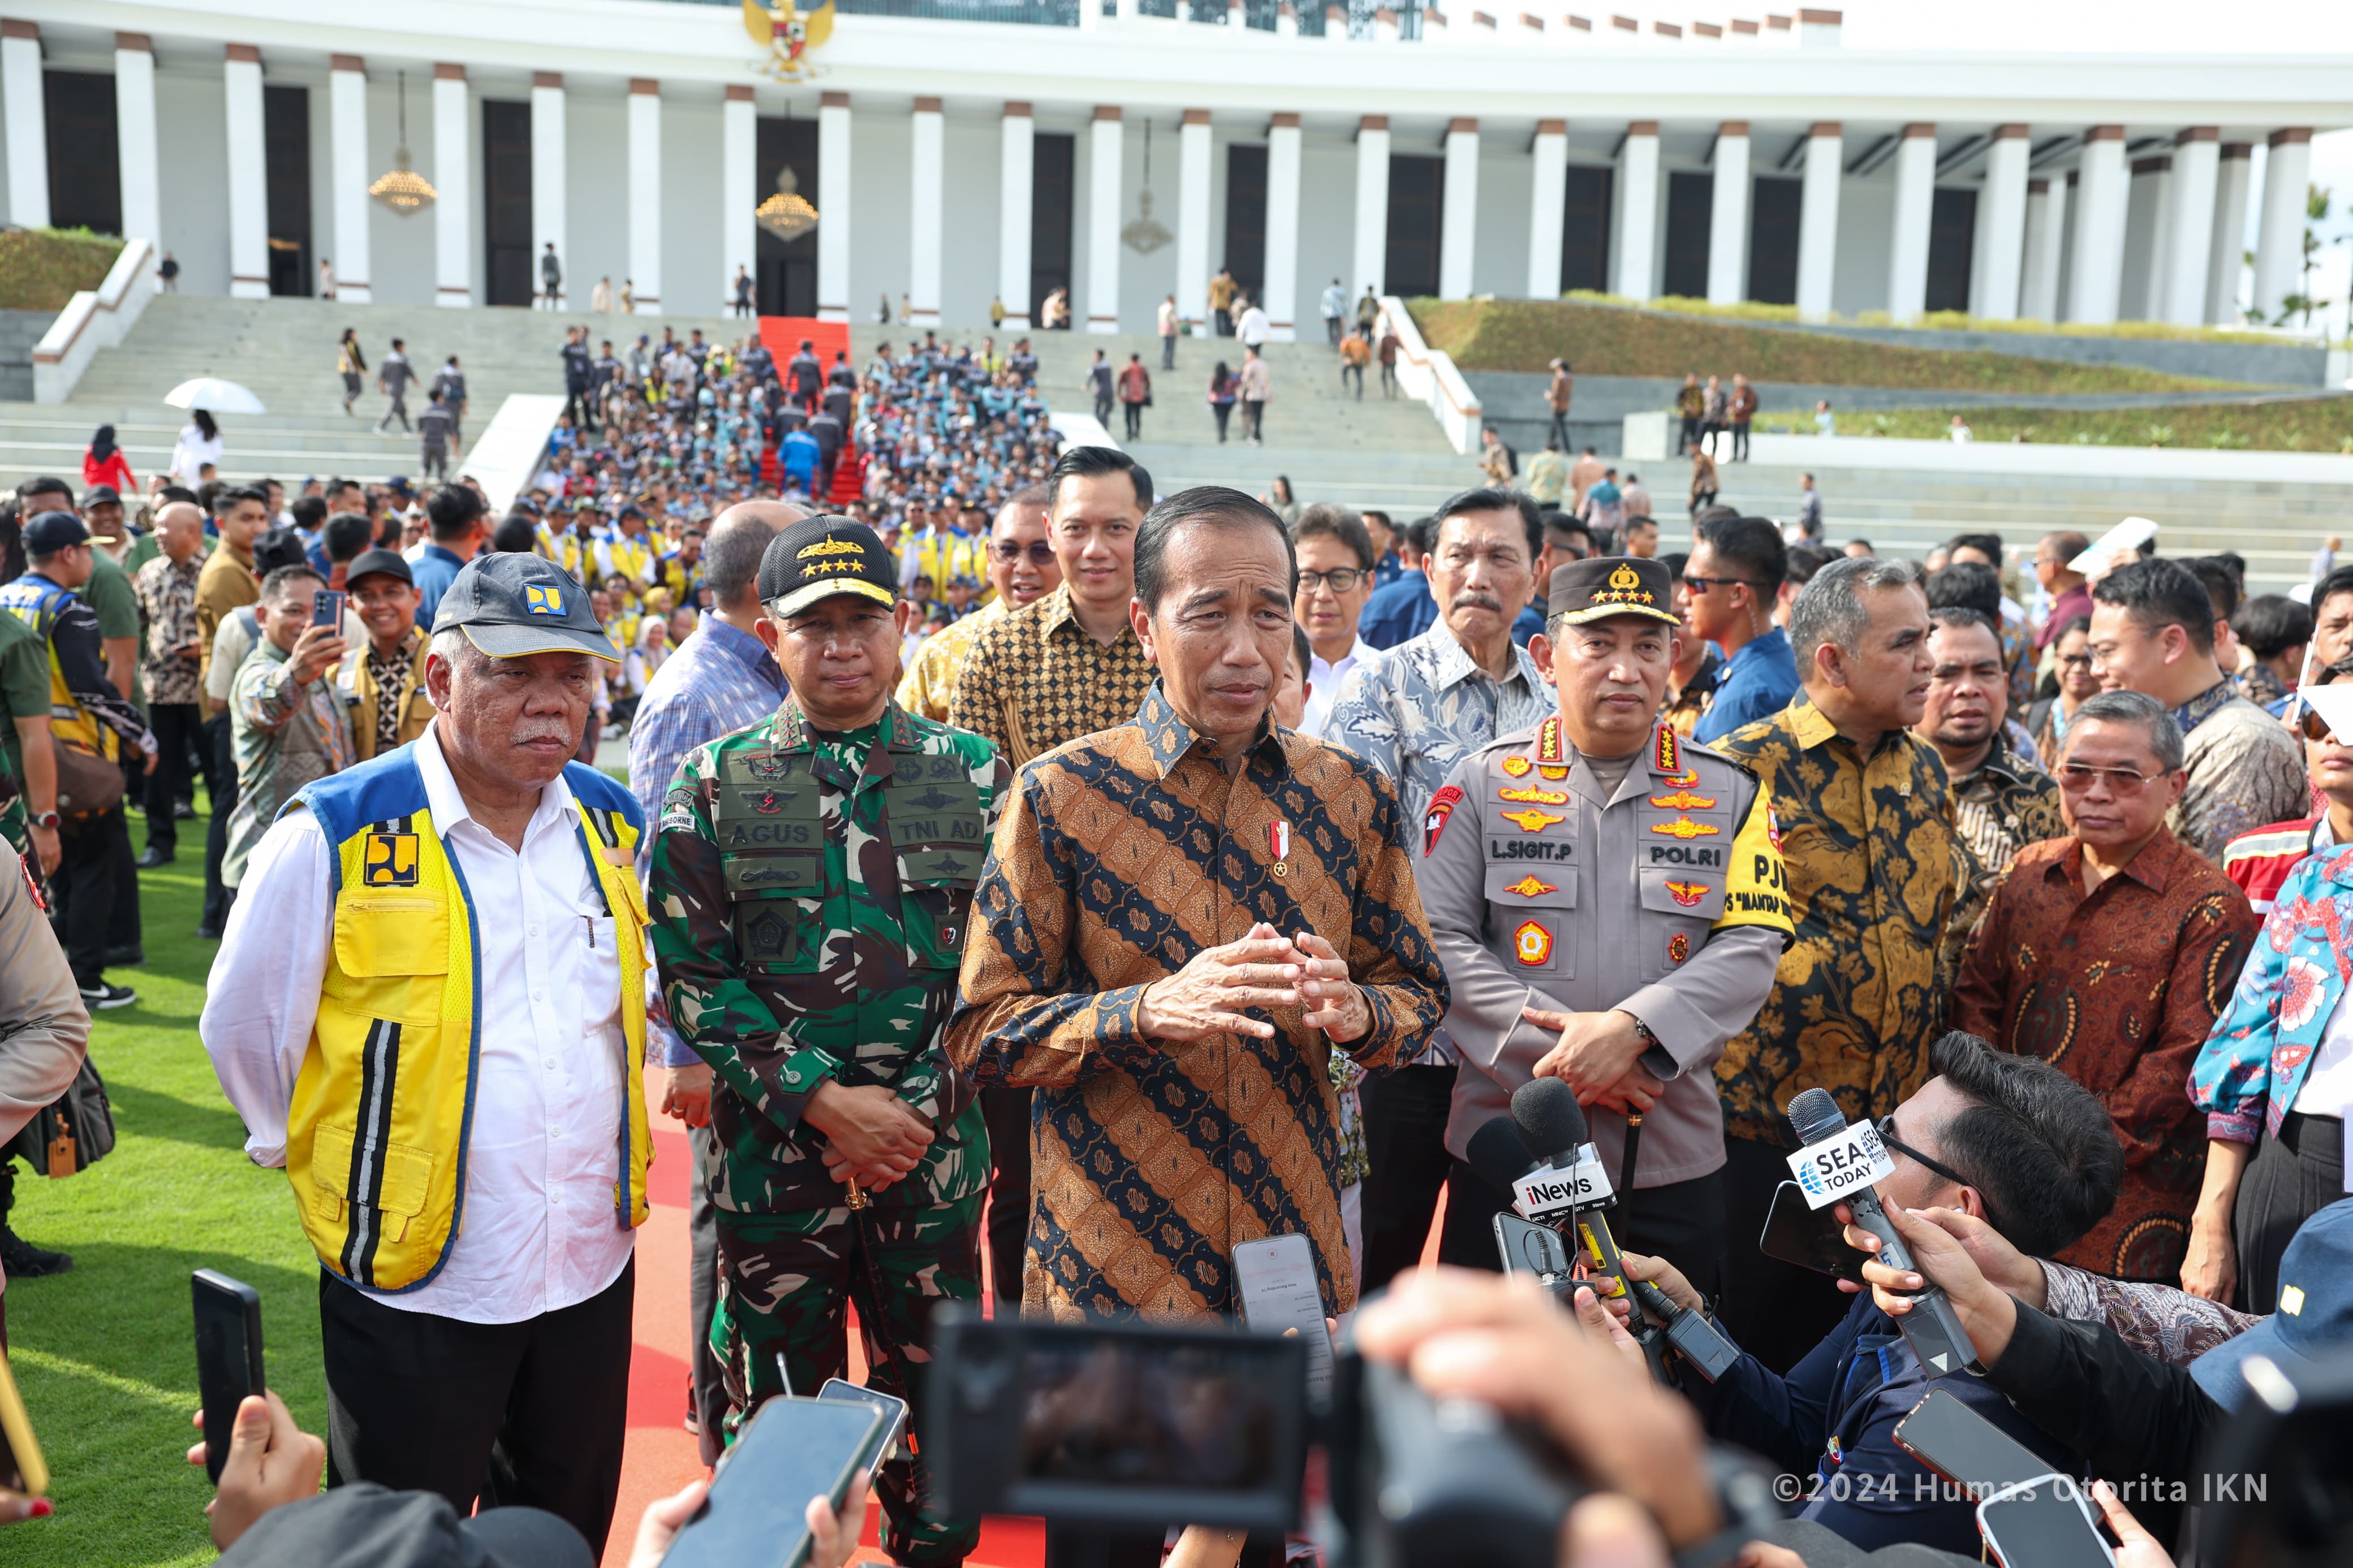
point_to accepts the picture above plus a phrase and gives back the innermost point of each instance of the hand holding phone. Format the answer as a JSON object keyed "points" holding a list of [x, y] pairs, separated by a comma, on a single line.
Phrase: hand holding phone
{"points": [[271, 1462], [228, 1357], [327, 608]]}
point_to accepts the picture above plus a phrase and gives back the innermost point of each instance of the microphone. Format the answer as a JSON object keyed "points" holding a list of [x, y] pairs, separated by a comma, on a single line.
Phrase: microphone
{"points": [[1497, 1153], [1839, 1162], [1548, 1117]]}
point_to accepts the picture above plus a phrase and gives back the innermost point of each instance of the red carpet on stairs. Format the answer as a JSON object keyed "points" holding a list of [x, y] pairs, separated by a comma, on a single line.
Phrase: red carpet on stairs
{"points": [[783, 337]]}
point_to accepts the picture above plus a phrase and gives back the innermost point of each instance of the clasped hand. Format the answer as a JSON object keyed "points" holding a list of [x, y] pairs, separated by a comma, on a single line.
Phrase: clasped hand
{"points": [[872, 1139], [1598, 1056], [1212, 994]]}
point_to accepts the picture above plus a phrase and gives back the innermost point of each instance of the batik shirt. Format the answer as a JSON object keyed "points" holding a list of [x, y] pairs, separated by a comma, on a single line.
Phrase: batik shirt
{"points": [[1038, 679], [2244, 768], [167, 603], [1122, 858], [809, 891], [2005, 804], [1869, 847]]}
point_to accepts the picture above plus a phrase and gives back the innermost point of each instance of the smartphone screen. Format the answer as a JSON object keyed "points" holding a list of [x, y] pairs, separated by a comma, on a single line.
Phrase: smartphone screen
{"points": [[1963, 1446], [793, 1450], [327, 608], [229, 1356], [1277, 1279], [1809, 1237], [2046, 1523]]}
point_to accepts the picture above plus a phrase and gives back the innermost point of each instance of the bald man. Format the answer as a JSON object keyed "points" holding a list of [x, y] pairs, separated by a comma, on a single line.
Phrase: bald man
{"points": [[717, 682], [170, 659]]}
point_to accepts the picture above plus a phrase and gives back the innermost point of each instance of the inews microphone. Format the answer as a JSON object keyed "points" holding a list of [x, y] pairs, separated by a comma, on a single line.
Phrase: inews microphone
{"points": [[1839, 1162], [1553, 1126], [1497, 1153]]}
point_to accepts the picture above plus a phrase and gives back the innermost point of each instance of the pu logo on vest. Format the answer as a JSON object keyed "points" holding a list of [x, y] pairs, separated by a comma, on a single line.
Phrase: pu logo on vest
{"points": [[543, 599], [391, 860]]}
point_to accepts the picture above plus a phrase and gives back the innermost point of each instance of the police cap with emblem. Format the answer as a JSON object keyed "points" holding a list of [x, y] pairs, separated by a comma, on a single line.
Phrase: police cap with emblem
{"points": [[820, 557], [511, 606], [1608, 585]]}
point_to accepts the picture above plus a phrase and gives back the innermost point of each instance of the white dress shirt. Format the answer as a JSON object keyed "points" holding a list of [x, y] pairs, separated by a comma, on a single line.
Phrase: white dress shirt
{"points": [[540, 1230], [1324, 678]]}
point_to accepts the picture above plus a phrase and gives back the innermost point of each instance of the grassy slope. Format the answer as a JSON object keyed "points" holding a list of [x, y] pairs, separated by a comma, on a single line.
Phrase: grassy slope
{"points": [[104, 1353], [40, 269], [2304, 424], [1526, 335]]}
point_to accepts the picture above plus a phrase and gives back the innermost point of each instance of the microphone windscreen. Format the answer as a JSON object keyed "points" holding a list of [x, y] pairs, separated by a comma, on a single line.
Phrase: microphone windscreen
{"points": [[1551, 1123], [1815, 1115], [1498, 1154]]}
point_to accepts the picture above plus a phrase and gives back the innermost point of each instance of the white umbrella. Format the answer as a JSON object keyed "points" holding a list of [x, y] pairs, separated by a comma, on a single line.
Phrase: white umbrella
{"points": [[214, 396]]}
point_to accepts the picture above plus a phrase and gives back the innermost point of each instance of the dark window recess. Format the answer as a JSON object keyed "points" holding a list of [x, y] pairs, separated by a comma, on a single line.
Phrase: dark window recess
{"points": [[508, 273], [85, 179], [286, 162], [1245, 222], [1952, 235], [1585, 230], [787, 272], [1773, 240], [1691, 217], [1053, 159], [1416, 213]]}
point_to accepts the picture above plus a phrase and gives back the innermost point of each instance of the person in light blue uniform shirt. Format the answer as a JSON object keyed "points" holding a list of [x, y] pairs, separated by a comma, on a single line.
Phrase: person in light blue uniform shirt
{"points": [[1729, 586]]}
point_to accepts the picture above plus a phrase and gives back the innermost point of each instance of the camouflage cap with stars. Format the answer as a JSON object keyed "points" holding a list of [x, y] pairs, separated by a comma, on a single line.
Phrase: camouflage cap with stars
{"points": [[821, 557], [1608, 585]]}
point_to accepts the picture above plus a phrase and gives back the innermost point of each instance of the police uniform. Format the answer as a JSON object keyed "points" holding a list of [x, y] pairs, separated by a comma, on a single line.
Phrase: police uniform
{"points": [[811, 891], [1662, 898]]}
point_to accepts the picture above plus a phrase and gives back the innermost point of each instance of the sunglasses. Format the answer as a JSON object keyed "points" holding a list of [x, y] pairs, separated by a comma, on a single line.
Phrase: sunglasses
{"points": [[1040, 553], [1702, 585], [2314, 726]]}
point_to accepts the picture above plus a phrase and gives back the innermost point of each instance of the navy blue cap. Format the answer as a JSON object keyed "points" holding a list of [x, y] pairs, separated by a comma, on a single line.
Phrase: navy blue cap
{"points": [[47, 533], [2315, 1309], [511, 606]]}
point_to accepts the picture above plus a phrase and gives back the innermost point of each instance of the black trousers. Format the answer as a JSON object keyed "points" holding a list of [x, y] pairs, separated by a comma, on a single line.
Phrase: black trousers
{"points": [[123, 925], [87, 886], [1688, 435], [705, 1388], [222, 787], [1682, 1222], [1740, 440], [1775, 1310], [531, 1412], [180, 737], [2292, 1177], [1133, 414], [1008, 1114], [1560, 428], [1407, 1163]]}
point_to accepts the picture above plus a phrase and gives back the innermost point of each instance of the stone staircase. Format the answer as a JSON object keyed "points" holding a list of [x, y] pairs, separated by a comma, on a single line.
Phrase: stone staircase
{"points": [[20, 331]]}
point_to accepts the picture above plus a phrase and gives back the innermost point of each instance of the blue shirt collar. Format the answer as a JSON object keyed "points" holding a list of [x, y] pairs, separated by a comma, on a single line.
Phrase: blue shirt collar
{"points": [[435, 553], [746, 649], [1774, 639]]}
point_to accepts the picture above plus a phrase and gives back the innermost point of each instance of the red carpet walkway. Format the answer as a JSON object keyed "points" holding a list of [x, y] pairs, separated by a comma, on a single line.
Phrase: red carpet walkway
{"points": [[782, 336]]}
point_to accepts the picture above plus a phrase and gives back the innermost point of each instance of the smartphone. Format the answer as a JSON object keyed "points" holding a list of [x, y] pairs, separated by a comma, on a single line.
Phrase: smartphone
{"points": [[21, 1467], [790, 1451], [327, 608], [229, 1356], [1809, 1237], [893, 1409], [1964, 1447], [1276, 1278], [2044, 1522]]}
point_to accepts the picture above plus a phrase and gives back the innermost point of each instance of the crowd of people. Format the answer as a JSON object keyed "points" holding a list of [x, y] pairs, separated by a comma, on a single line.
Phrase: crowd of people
{"points": [[1026, 882]]}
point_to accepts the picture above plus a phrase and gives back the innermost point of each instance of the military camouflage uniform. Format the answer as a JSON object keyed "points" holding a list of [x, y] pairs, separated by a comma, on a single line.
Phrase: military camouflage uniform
{"points": [[810, 892]]}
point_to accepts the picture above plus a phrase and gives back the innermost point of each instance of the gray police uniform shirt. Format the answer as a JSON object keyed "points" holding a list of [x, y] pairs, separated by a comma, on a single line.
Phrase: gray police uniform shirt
{"points": [[1664, 898]]}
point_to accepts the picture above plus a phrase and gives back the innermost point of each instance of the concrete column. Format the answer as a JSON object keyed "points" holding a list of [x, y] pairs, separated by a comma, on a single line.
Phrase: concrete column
{"points": [[1818, 220], [1372, 203], [26, 117], [1103, 187], [2103, 196], [347, 118], [135, 139], [2279, 244], [453, 183], [2150, 306], [739, 191], [1916, 205], [1016, 156], [549, 213], [1457, 234], [1090, 20], [1546, 205], [1727, 223], [644, 190], [927, 215], [2227, 245], [1638, 213], [2046, 242], [1998, 250], [249, 187], [2197, 161], [1282, 228], [1193, 218], [1286, 26], [833, 187]]}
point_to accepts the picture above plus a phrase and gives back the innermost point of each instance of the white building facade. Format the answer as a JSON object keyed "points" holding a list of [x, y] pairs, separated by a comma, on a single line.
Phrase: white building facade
{"points": [[961, 163]]}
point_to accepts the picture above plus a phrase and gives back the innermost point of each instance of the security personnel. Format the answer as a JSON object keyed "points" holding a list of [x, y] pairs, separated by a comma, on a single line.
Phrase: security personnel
{"points": [[1607, 900], [811, 880]]}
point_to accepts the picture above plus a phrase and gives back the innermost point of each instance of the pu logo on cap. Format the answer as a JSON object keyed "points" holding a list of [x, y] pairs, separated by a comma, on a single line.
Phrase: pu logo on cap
{"points": [[542, 598]]}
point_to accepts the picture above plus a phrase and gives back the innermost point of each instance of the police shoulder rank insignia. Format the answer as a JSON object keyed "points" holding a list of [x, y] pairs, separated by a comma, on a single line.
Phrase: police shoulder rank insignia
{"points": [[1532, 944], [1684, 800], [1668, 757], [1534, 820], [1517, 766], [1548, 740], [1533, 796], [1684, 827], [391, 860], [1528, 887], [1687, 894], [1433, 821], [1678, 948]]}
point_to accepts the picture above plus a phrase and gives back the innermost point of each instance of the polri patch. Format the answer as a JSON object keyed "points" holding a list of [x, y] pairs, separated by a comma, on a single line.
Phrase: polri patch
{"points": [[1532, 944]]}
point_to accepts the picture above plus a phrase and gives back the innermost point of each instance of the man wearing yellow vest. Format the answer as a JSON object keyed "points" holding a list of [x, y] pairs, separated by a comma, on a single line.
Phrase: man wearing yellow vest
{"points": [[429, 1007], [384, 681]]}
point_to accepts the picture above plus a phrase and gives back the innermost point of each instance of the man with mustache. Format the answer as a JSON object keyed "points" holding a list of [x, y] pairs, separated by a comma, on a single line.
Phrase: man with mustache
{"points": [[1414, 713], [430, 1002]]}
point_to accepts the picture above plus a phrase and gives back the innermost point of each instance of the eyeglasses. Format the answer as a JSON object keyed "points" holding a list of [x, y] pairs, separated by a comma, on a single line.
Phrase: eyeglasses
{"points": [[2072, 660], [1005, 550], [1702, 585], [1886, 1128], [2314, 726], [1340, 580], [2081, 776]]}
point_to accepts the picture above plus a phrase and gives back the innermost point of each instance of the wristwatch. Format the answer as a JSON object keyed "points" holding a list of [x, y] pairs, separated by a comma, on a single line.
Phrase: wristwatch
{"points": [[48, 819]]}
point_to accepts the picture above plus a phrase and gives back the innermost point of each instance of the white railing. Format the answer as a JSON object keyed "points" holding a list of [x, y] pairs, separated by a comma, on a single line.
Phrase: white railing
{"points": [[1428, 376], [506, 456], [91, 320]]}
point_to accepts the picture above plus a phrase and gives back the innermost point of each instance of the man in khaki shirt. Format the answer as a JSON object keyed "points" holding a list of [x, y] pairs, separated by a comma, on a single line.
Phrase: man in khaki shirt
{"points": [[227, 583]]}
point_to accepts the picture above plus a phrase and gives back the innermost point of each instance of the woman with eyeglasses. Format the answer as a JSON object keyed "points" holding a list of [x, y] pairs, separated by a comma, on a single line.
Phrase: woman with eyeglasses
{"points": [[2047, 719], [2275, 1077]]}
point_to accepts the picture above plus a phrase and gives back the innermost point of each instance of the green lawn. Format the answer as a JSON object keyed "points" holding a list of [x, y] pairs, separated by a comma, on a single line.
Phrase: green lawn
{"points": [[104, 1353]]}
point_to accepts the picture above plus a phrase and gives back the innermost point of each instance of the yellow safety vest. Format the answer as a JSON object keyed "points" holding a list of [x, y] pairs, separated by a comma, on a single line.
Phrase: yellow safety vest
{"points": [[382, 1107], [37, 603]]}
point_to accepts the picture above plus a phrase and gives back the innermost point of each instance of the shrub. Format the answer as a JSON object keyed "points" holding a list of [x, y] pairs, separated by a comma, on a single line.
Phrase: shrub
{"points": [[41, 269]]}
